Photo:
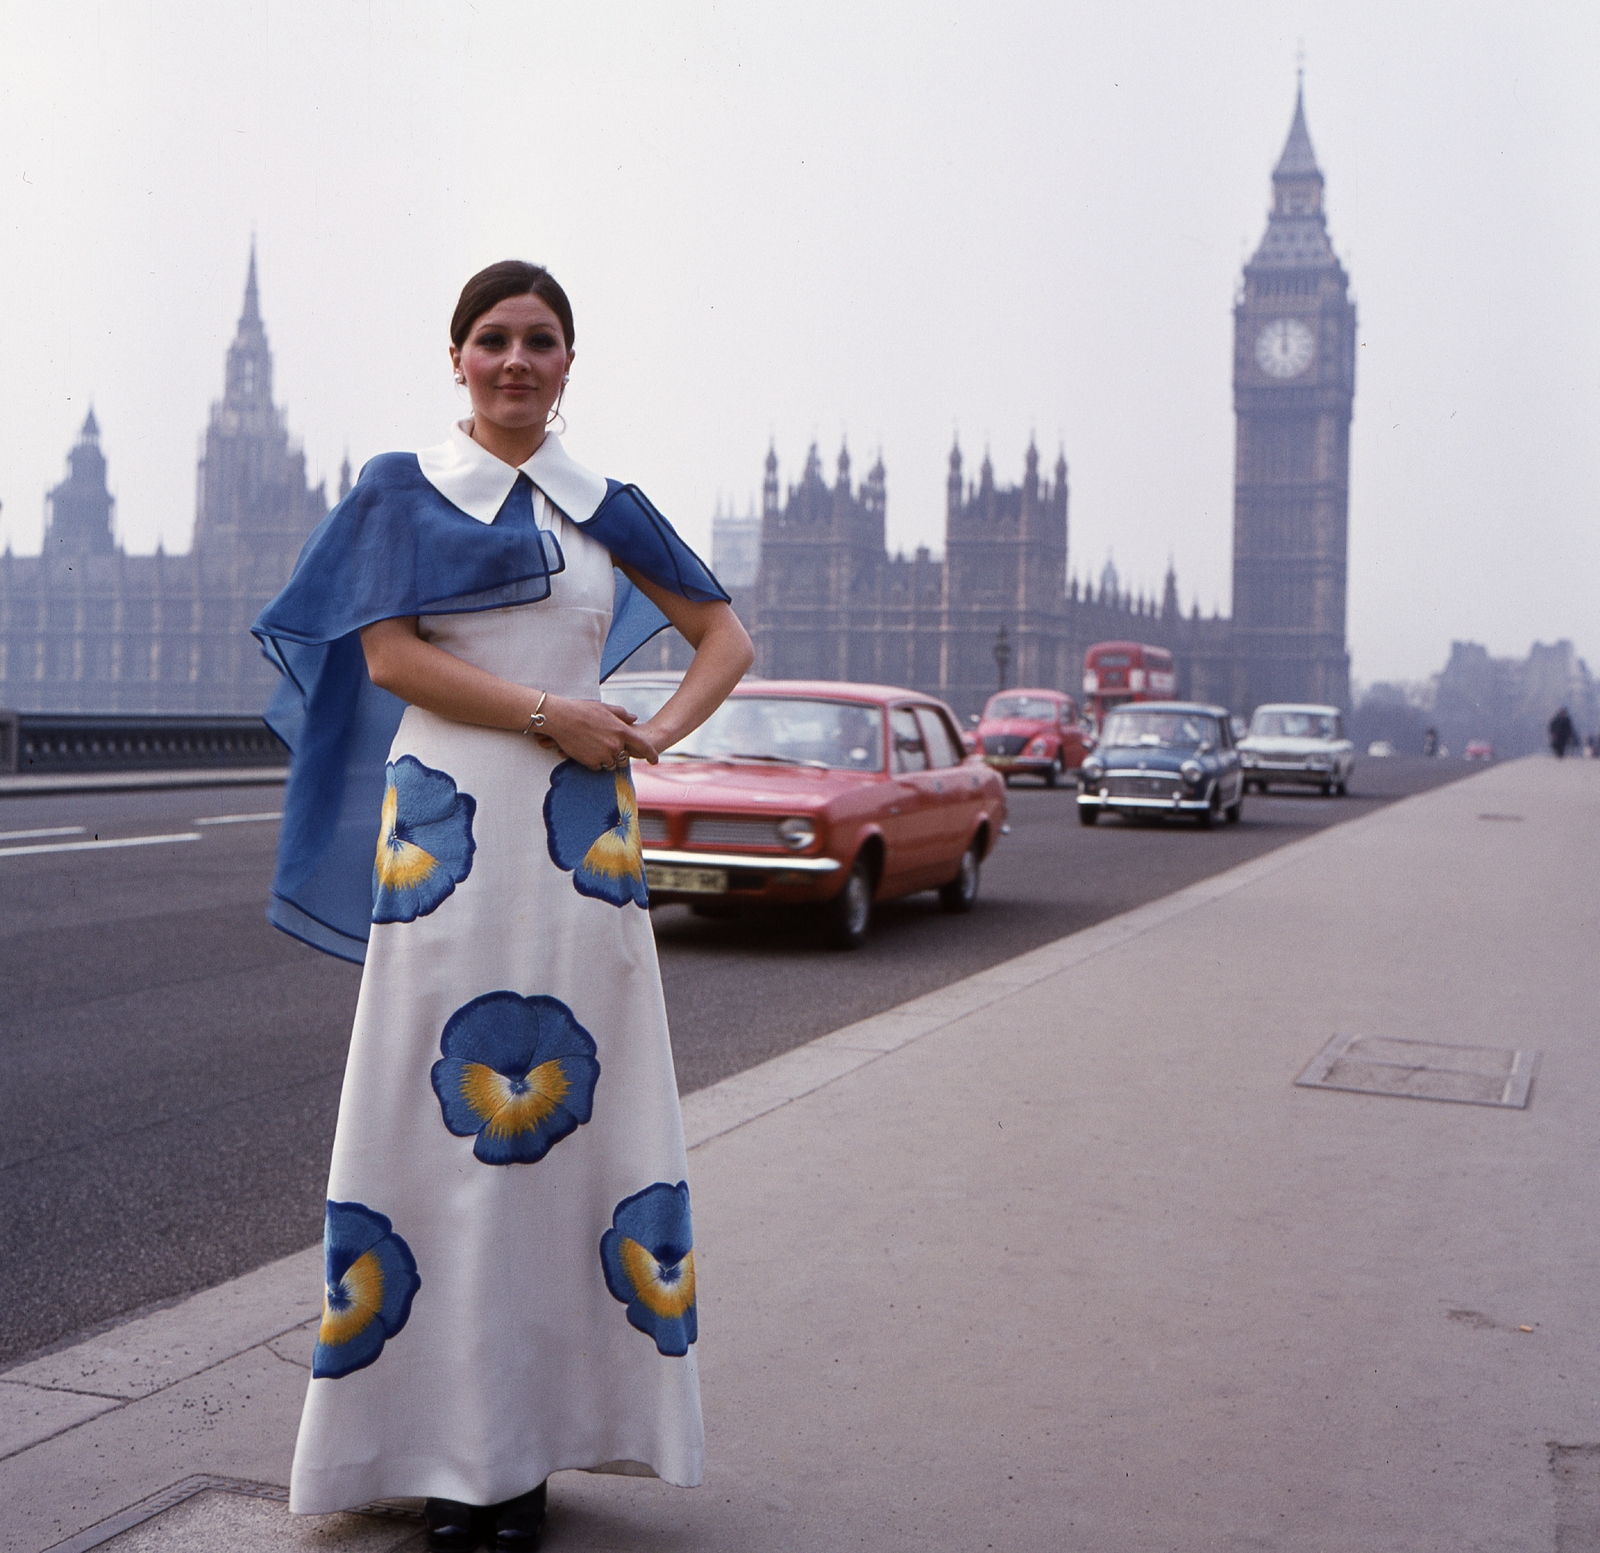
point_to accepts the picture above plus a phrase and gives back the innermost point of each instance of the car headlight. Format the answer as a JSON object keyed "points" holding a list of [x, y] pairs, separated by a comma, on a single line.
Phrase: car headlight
{"points": [[1039, 746], [797, 833], [1093, 769], [1191, 772]]}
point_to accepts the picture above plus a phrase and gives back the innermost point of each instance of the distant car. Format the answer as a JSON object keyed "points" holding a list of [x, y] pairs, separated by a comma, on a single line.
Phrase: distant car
{"points": [[821, 793], [1380, 749], [1478, 749], [1164, 758], [1033, 733], [1300, 744]]}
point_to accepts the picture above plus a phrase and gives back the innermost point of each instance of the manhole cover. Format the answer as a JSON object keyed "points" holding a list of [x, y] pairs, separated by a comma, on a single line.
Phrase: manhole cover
{"points": [[1423, 1070]]}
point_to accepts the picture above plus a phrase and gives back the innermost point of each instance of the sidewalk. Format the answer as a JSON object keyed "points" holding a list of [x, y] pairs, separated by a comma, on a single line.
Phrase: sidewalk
{"points": [[1060, 1257]]}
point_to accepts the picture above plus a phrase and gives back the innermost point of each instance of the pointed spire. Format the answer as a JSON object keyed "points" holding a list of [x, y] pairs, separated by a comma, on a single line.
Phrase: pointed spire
{"points": [[1298, 159], [91, 428], [252, 301]]}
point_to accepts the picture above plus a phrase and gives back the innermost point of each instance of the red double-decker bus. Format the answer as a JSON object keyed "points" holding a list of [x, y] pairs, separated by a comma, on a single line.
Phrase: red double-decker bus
{"points": [[1114, 672]]}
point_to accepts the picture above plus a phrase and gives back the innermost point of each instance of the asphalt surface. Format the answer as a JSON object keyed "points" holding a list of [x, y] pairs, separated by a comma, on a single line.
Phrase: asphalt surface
{"points": [[171, 1064]]}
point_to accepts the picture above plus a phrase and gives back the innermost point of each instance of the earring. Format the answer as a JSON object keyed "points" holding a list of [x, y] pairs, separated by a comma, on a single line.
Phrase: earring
{"points": [[461, 377]]}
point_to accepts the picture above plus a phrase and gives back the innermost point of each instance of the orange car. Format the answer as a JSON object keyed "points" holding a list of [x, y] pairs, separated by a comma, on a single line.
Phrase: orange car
{"points": [[1034, 733], [825, 793]]}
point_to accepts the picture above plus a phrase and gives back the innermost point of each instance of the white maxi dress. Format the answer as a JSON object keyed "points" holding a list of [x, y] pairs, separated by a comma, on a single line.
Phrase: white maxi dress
{"points": [[510, 1271]]}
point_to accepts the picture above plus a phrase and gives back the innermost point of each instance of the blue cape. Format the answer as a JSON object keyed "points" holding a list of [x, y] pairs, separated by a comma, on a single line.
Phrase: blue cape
{"points": [[395, 546]]}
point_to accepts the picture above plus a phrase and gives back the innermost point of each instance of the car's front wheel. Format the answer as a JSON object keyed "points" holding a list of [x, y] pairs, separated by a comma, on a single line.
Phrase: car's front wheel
{"points": [[962, 891], [849, 913], [1088, 813]]}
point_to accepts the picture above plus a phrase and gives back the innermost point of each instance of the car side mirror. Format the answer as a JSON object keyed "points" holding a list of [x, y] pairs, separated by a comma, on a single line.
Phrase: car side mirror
{"points": [[1205, 746]]}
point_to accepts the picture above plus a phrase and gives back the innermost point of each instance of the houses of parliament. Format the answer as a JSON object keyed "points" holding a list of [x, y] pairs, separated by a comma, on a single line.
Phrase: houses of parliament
{"points": [[86, 627]]}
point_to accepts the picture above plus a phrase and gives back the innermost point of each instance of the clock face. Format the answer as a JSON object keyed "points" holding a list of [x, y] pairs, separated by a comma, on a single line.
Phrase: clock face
{"points": [[1285, 348]]}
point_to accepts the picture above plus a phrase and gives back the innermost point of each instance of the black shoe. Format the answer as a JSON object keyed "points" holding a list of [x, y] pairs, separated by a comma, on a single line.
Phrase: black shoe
{"points": [[518, 1522], [452, 1527]]}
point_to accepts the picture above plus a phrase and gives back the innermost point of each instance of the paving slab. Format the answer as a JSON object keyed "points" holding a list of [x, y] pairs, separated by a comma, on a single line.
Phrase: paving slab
{"points": [[1065, 1259]]}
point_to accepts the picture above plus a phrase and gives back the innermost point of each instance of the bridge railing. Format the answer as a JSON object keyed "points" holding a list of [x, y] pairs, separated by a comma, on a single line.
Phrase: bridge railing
{"points": [[43, 743]]}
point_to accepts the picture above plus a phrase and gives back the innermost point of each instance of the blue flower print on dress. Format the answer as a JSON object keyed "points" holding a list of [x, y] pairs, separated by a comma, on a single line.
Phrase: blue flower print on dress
{"points": [[517, 1076], [425, 843], [592, 820], [372, 1279], [648, 1257]]}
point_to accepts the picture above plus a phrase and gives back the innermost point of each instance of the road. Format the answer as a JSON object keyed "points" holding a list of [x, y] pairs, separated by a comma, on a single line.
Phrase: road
{"points": [[172, 1064]]}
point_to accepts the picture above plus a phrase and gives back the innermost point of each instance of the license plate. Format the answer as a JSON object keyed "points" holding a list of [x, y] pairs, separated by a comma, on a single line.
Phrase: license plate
{"points": [[686, 881]]}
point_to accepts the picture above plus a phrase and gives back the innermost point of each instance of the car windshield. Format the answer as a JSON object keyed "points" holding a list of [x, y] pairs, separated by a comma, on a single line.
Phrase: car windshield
{"points": [[1295, 725], [1040, 708], [788, 730], [1159, 730]]}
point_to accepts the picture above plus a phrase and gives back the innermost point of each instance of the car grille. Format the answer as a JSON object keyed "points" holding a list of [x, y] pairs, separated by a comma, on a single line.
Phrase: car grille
{"points": [[1142, 786], [652, 825], [1004, 743], [716, 830]]}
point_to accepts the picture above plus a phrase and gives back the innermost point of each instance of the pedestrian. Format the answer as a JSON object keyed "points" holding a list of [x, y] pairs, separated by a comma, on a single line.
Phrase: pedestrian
{"points": [[508, 1245], [1430, 742], [1562, 733]]}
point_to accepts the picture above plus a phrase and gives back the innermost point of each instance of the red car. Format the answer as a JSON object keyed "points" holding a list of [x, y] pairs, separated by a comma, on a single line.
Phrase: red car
{"points": [[836, 795], [1034, 732]]}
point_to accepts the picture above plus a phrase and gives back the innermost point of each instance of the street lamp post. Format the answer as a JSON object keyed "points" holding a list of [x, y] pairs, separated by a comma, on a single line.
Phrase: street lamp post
{"points": [[1002, 654]]}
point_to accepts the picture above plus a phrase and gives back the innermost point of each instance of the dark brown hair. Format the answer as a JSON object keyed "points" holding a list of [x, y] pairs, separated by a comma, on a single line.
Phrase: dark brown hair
{"points": [[509, 278]]}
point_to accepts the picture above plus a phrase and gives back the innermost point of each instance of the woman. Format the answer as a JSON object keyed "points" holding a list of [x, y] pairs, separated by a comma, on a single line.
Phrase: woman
{"points": [[510, 1274]]}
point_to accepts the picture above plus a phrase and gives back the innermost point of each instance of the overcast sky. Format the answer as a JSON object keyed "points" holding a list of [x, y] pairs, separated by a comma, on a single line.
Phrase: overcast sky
{"points": [[891, 223]]}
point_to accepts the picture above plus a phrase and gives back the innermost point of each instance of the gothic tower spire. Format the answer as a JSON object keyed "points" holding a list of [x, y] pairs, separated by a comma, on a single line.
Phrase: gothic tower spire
{"points": [[248, 384], [81, 506], [252, 498], [1293, 389]]}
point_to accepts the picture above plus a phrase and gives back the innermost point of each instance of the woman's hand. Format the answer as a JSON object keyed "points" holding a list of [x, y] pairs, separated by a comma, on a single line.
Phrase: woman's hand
{"points": [[594, 734], [545, 742]]}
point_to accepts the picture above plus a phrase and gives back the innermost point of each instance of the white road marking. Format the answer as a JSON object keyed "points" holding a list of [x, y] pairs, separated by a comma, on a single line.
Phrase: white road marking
{"points": [[55, 830], [96, 846], [240, 819]]}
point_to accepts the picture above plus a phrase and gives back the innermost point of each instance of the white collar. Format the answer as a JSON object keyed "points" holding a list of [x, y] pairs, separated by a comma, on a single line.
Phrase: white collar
{"points": [[470, 477]]}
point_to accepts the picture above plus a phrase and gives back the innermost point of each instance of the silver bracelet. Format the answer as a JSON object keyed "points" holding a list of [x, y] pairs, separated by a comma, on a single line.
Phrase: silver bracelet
{"points": [[537, 719]]}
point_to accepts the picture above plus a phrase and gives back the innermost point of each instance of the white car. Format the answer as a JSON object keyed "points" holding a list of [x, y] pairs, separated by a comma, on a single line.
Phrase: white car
{"points": [[1305, 745]]}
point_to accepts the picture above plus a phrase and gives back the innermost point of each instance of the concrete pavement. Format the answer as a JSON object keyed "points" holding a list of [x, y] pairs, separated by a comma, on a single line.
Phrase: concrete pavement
{"points": [[1059, 1257]]}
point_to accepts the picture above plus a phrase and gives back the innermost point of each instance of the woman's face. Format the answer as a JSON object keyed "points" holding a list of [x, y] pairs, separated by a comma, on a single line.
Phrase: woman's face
{"points": [[515, 360]]}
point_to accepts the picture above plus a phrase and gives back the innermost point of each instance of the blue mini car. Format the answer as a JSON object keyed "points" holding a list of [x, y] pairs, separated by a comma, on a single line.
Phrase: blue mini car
{"points": [[1160, 758]]}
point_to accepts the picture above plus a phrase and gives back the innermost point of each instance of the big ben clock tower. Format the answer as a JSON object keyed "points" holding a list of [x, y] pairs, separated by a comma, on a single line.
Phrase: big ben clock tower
{"points": [[1294, 346]]}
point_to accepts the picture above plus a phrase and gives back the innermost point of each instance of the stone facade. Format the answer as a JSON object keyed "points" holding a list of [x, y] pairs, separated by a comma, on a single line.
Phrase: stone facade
{"points": [[86, 627], [830, 602]]}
